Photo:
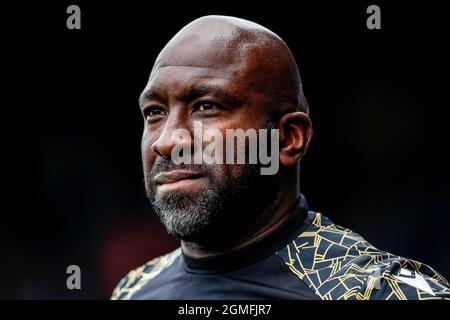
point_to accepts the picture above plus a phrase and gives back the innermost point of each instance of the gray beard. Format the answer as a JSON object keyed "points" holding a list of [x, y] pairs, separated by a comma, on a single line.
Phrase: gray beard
{"points": [[185, 215], [219, 212]]}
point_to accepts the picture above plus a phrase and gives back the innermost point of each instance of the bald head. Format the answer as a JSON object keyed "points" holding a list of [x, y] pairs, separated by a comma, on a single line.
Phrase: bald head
{"points": [[251, 55]]}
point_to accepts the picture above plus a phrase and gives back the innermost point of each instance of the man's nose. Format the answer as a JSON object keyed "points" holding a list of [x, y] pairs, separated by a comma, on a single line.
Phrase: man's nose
{"points": [[169, 138]]}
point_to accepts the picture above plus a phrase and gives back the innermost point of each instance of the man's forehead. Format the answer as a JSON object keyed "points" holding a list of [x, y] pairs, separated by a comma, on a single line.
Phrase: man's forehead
{"points": [[197, 52], [190, 63], [179, 77], [170, 72], [179, 81]]}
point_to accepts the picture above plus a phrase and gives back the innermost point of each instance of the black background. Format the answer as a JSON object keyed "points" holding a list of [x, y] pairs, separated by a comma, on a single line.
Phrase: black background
{"points": [[74, 191]]}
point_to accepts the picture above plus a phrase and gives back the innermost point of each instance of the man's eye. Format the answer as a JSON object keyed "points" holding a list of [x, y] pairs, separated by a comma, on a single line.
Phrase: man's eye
{"points": [[204, 106], [152, 112]]}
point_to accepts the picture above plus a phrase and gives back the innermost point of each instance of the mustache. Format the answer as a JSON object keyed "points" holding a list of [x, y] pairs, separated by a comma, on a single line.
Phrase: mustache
{"points": [[165, 165]]}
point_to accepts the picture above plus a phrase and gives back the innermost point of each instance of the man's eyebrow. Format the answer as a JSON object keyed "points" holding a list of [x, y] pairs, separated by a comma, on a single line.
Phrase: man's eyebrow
{"points": [[193, 94], [220, 93], [149, 95]]}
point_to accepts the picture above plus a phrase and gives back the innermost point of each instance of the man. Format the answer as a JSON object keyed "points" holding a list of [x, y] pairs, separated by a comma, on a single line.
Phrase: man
{"points": [[244, 234]]}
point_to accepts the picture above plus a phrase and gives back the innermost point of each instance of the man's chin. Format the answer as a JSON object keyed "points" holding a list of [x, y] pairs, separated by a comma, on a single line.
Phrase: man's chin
{"points": [[189, 215]]}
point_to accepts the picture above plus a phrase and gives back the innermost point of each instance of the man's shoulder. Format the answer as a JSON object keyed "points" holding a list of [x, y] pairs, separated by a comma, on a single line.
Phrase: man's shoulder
{"points": [[138, 277], [337, 263]]}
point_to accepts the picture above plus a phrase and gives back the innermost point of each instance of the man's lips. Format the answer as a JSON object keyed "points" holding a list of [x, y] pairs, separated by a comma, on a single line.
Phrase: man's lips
{"points": [[178, 180], [175, 175]]}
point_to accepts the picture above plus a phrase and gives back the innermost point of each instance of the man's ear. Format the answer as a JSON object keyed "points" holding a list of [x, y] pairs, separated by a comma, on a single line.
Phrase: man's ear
{"points": [[295, 135]]}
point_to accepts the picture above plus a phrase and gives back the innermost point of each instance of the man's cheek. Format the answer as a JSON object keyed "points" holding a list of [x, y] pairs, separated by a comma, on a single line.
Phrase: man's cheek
{"points": [[148, 156], [146, 144]]}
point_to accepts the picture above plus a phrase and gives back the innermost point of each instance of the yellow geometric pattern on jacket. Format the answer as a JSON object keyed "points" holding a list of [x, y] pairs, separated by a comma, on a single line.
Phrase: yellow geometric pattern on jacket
{"points": [[337, 263], [137, 278]]}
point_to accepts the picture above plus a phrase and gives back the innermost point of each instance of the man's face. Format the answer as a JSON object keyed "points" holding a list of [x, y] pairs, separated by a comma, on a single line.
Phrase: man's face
{"points": [[196, 202]]}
